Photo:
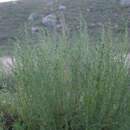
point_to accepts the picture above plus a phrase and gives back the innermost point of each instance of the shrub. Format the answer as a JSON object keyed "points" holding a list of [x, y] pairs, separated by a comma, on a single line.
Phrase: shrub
{"points": [[71, 84]]}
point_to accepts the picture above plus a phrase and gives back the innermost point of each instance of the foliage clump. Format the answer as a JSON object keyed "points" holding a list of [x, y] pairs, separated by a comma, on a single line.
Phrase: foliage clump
{"points": [[70, 84]]}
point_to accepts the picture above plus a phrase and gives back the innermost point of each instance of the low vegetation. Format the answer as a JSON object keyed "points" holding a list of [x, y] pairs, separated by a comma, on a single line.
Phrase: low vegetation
{"points": [[68, 84]]}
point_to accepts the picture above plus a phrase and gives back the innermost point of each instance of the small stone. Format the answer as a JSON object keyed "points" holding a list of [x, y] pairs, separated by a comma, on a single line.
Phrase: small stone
{"points": [[92, 25], [62, 8], [88, 10], [59, 26], [6, 63], [35, 29]]}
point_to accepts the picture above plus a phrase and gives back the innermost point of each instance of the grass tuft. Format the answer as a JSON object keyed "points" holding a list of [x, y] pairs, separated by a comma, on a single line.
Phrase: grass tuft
{"points": [[71, 84]]}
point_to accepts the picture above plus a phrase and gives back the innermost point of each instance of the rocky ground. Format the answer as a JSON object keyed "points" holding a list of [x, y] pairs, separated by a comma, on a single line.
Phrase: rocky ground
{"points": [[47, 13]]}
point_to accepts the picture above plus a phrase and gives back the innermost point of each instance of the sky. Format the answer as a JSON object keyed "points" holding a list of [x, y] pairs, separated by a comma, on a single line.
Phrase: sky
{"points": [[2, 1]]}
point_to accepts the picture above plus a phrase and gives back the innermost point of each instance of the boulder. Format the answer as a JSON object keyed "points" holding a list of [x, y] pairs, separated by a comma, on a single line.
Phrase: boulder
{"points": [[49, 20], [125, 2], [6, 64]]}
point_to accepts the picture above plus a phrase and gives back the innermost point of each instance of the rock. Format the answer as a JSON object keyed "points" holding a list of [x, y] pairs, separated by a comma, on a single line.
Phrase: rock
{"points": [[88, 10], [62, 7], [32, 17], [125, 2], [49, 20], [6, 63], [35, 29], [59, 27]]}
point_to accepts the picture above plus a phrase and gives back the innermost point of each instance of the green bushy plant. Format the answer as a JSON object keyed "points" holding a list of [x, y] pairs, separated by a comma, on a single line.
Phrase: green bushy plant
{"points": [[70, 84]]}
